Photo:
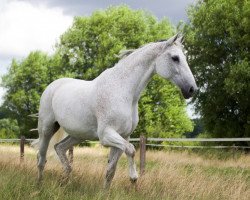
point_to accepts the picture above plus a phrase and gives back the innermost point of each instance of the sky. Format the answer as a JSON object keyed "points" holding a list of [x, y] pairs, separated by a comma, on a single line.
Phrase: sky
{"points": [[27, 25]]}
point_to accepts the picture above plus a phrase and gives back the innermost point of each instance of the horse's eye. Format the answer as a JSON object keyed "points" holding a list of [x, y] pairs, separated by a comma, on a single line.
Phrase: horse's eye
{"points": [[175, 58]]}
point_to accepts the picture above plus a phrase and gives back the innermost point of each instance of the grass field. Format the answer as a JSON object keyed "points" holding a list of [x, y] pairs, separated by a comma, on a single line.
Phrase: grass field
{"points": [[169, 175]]}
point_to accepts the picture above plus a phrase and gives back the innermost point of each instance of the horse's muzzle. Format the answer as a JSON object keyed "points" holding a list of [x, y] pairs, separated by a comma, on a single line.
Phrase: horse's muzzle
{"points": [[188, 92]]}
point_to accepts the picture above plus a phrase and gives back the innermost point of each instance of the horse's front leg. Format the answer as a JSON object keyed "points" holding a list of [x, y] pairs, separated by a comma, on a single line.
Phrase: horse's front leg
{"points": [[114, 156], [132, 167], [109, 137]]}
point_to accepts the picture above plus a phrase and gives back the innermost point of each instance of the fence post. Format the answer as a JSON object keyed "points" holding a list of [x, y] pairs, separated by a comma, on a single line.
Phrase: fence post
{"points": [[22, 142], [234, 151], [142, 154], [71, 155]]}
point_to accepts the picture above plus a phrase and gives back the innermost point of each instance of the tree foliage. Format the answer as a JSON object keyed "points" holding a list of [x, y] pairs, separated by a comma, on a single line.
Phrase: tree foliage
{"points": [[25, 83], [84, 51], [218, 41], [9, 128], [90, 45]]}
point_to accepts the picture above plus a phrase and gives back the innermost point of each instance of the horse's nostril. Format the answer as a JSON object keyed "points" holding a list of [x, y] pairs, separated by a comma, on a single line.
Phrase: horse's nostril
{"points": [[191, 90]]}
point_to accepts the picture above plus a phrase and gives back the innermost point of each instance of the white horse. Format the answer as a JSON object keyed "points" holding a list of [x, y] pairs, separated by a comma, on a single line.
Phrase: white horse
{"points": [[107, 107]]}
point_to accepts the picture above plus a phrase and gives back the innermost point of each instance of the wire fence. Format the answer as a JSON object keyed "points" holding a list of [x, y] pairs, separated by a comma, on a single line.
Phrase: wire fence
{"points": [[159, 140], [150, 142]]}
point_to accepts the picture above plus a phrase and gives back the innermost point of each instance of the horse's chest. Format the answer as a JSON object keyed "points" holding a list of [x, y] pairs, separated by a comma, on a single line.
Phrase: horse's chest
{"points": [[120, 119], [116, 110], [125, 126]]}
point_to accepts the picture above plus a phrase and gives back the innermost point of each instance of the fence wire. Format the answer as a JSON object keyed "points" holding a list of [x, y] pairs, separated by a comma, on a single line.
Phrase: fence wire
{"points": [[15, 140]]}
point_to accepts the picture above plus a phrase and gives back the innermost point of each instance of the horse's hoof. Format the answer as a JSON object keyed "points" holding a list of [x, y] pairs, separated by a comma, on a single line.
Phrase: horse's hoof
{"points": [[133, 180]]}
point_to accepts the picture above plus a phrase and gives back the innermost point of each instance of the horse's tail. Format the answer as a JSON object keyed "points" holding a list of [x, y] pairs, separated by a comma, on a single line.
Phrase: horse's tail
{"points": [[35, 144], [57, 137]]}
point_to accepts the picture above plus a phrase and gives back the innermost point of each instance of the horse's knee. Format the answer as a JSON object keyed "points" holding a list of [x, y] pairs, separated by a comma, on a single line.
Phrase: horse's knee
{"points": [[130, 150]]}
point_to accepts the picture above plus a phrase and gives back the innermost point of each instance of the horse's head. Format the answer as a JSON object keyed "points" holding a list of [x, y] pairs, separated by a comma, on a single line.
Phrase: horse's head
{"points": [[172, 64]]}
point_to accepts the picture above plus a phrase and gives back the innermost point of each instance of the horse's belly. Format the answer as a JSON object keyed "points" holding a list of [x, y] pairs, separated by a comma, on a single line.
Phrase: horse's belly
{"points": [[86, 130], [84, 134], [78, 123]]}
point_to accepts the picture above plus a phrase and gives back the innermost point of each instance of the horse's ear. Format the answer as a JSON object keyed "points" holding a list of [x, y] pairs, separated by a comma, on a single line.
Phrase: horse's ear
{"points": [[180, 38], [173, 39]]}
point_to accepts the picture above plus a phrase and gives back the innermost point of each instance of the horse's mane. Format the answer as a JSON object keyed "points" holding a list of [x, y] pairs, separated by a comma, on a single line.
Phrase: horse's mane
{"points": [[125, 52]]}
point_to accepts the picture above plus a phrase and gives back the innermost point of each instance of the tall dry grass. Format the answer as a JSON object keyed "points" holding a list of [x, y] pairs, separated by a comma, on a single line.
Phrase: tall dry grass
{"points": [[169, 175]]}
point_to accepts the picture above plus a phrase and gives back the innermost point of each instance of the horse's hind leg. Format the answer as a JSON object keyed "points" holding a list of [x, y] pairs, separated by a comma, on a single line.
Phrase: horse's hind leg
{"points": [[46, 131], [61, 149], [114, 156]]}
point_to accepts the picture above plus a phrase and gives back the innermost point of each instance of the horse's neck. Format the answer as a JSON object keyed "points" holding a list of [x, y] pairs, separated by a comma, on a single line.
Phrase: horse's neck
{"points": [[136, 70]]}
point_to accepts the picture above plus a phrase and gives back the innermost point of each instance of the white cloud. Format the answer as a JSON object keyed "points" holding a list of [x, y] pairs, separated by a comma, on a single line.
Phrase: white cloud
{"points": [[25, 27]]}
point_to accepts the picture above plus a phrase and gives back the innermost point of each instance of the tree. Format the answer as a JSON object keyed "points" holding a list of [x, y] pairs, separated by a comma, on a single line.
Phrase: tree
{"points": [[25, 82], [198, 128], [9, 128], [218, 41]]}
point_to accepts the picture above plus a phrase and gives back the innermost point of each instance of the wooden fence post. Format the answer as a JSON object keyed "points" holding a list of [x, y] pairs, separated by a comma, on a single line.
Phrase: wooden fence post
{"points": [[71, 155], [142, 154], [234, 152], [22, 142]]}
